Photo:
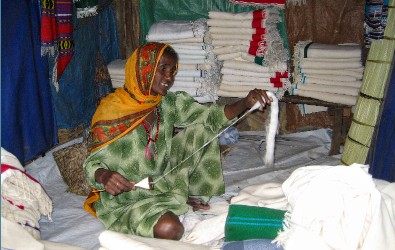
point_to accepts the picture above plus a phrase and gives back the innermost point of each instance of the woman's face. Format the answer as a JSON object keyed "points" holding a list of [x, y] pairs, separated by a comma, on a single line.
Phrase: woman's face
{"points": [[164, 77]]}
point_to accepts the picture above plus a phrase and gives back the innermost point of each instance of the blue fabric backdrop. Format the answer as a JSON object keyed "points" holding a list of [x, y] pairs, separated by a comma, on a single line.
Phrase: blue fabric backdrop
{"points": [[382, 153], [31, 109], [75, 101], [27, 119]]}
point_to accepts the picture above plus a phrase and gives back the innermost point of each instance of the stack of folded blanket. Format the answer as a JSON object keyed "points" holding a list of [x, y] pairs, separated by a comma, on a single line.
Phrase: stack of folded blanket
{"points": [[198, 69], [116, 69], [327, 72], [252, 48]]}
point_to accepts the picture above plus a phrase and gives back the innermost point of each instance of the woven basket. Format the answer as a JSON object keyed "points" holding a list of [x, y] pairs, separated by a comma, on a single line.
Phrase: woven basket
{"points": [[70, 160], [354, 152]]}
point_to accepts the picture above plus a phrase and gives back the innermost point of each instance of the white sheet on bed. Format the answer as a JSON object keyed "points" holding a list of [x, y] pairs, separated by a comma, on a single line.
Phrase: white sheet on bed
{"points": [[243, 166]]}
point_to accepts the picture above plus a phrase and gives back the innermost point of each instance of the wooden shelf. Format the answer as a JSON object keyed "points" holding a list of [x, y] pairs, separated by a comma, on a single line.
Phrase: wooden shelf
{"points": [[339, 110]]}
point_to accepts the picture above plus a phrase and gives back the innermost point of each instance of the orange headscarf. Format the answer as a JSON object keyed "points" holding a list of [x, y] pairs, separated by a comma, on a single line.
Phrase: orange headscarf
{"points": [[122, 111]]}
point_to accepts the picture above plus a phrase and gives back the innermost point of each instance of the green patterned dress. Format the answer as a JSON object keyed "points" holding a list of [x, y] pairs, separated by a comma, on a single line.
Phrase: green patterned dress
{"points": [[137, 211]]}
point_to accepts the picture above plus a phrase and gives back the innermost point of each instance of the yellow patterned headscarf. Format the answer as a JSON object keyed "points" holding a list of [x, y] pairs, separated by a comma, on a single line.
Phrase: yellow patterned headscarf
{"points": [[122, 111]]}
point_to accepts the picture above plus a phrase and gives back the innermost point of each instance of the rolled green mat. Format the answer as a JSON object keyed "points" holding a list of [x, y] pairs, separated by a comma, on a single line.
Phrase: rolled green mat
{"points": [[251, 222], [381, 50], [354, 152], [389, 31], [375, 79], [361, 133], [366, 111]]}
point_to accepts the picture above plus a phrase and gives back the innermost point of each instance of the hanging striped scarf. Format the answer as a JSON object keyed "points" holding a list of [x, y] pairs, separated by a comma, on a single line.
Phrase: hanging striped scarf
{"points": [[56, 33]]}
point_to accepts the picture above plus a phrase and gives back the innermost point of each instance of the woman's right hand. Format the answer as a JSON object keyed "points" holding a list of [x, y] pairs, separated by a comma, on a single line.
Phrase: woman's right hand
{"points": [[114, 183]]}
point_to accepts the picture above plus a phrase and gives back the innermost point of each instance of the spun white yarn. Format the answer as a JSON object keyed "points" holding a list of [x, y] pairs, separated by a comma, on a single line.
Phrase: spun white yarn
{"points": [[271, 131]]}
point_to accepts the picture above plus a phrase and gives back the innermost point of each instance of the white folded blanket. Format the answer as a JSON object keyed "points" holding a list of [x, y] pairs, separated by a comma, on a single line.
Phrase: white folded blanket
{"points": [[193, 73], [169, 29], [246, 79], [329, 89], [227, 30], [340, 78], [329, 65], [195, 41], [235, 36], [185, 52], [231, 15], [333, 51], [116, 67], [186, 46], [232, 23], [230, 42], [227, 71], [248, 66], [219, 50], [341, 72], [328, 97], [316, 80], [246, 88]]}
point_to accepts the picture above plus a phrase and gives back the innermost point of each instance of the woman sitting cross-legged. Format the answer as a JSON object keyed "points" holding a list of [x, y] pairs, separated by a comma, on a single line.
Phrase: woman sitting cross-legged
{"points": [[132, 137]]}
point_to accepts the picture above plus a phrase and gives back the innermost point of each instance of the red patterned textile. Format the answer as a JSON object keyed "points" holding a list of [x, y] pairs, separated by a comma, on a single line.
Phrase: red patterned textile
{"points": [[57, 31]]}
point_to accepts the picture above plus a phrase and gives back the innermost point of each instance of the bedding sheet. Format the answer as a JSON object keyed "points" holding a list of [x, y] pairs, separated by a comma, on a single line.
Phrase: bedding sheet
{"points": [[242, 166]]}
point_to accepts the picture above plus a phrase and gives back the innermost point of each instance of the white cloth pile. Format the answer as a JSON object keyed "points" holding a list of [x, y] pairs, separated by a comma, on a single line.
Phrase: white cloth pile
{"points": [[328, 72], [252, 50], [198, 69], [23, 199], [338, 207], [23, 202]]}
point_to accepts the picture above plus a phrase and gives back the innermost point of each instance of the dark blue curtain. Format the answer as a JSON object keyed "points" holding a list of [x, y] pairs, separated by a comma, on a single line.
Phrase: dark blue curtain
{"points": [[382, 153], [27, 118]]}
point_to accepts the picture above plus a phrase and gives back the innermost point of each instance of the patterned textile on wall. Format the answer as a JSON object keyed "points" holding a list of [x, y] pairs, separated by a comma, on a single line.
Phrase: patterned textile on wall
{"points": [[57, 34], [376, 14]]}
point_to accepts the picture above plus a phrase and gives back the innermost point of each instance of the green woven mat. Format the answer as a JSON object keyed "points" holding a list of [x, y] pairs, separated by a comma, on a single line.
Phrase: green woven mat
{"points": [[361, 133], [366, 111], [375, 79], [354, 152]]}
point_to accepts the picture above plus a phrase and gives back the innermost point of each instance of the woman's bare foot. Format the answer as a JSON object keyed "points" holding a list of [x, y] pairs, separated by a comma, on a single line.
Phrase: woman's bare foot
{"points": [[197, 204]]}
